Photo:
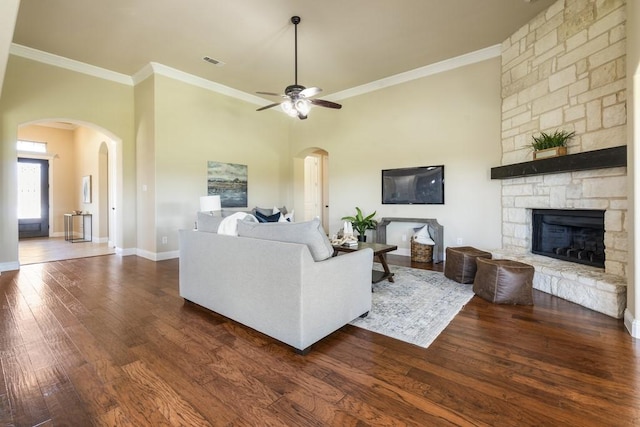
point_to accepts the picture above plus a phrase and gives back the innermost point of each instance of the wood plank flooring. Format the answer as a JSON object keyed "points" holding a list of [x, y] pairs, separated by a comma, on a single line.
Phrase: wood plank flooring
{"points": [[108, 341], [45, 249]]}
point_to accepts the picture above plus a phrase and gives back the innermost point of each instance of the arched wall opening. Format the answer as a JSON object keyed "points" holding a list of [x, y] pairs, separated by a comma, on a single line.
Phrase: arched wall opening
{"points": [[96, 152]]}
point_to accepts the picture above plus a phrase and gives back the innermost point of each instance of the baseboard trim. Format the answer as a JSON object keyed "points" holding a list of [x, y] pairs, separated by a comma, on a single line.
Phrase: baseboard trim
{"points": [[632, 324], [157, 256], [9, 266], [126, 252]]}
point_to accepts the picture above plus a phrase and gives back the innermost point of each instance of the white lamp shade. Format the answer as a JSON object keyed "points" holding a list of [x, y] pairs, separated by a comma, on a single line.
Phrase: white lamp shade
{"points": [[210, 203]]}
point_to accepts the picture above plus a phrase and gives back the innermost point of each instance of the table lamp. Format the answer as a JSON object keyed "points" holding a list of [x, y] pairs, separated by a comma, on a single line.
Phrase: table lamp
{"points": [[210, 204]]}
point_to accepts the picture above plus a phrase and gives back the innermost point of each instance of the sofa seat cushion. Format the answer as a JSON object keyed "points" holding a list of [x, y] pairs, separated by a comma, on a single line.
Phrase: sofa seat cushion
{"points": [[309, 233]]}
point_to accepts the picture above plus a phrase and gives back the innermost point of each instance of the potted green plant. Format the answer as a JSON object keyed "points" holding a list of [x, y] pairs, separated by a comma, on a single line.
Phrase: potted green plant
{"points": [[362, 223], [551, 145]]}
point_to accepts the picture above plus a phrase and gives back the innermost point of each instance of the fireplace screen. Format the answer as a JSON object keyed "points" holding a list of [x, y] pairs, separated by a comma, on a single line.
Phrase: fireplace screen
{"points": [[570, 235]]}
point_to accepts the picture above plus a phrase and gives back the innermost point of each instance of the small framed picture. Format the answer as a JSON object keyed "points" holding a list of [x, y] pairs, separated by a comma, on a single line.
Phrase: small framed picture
{"points": [[86, 189]]}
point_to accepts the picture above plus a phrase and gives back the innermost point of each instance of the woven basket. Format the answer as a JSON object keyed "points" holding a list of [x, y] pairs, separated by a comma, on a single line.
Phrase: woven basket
{"points": [[421, 252]]}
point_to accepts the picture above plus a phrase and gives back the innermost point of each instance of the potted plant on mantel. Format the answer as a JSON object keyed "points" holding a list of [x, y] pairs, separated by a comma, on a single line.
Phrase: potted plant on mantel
{"points": [[551, 145], [362, 223]]}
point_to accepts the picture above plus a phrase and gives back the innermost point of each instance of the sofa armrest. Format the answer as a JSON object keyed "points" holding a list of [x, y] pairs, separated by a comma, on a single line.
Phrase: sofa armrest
{"points": [[335, 292]]}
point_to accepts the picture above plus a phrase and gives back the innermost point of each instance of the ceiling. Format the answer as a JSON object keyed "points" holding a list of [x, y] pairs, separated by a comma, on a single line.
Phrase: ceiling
{"points": [[341, 43]]}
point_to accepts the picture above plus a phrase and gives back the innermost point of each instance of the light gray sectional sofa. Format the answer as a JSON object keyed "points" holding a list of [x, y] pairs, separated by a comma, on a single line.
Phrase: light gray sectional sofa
{"points": [[267, 278]]}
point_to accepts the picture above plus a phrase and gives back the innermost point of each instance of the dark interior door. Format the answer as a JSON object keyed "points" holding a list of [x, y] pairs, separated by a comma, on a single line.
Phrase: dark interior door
{"points": [[33, 198]]}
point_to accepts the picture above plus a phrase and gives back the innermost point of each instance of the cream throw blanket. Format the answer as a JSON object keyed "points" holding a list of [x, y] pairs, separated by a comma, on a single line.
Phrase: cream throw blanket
{"points": [[229, 225]]}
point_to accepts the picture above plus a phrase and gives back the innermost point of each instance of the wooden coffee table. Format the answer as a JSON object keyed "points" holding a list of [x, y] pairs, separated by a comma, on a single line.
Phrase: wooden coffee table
{"points": [[379, 251]]}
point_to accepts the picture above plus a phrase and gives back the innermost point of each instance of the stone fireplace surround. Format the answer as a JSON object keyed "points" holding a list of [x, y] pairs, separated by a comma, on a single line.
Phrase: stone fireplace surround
{"points": [[601, 186]]}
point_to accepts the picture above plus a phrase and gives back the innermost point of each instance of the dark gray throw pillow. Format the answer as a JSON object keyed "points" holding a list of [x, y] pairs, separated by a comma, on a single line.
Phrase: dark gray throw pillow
{"points": [[267, 218]]}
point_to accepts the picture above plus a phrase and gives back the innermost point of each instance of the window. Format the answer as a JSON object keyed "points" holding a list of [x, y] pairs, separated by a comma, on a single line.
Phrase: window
{"points": [[29, 190], [34, 147]]}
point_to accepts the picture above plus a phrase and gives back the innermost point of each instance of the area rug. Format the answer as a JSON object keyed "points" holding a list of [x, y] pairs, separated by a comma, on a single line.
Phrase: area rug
{"points": [[417, 307]]}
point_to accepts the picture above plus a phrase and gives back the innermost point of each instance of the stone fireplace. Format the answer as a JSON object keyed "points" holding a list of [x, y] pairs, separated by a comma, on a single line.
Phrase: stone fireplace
{"points": [[598, 196], [565, 70]]}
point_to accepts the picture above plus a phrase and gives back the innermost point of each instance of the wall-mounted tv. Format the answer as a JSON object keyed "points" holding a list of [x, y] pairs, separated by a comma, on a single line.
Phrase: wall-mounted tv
{"points": [[413, 186]]}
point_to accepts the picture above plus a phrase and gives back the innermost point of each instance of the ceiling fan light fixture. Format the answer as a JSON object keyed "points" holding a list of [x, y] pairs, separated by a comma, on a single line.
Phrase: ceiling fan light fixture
{"points": [[288, 107], [302, 106]]}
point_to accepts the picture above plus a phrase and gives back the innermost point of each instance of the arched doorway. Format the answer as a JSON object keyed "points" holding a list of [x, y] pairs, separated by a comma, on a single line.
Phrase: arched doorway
{"points": [[78, 153], [311, 185]]}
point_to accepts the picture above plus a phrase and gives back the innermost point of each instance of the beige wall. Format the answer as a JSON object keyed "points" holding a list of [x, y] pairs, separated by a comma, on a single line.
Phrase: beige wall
{"points": [[451, 118], [190, 127], [35, 91]]}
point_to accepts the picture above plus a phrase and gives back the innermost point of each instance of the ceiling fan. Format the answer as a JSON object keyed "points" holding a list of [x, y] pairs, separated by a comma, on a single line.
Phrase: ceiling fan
{"points": [[298, 99]]}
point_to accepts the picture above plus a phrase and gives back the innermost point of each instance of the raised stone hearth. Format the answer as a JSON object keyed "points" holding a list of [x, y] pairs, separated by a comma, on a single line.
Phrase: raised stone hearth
{"points": [[588, 286]]}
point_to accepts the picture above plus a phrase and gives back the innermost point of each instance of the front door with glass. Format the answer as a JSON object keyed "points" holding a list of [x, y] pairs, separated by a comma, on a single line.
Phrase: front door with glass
{"points": [[33, 198]]}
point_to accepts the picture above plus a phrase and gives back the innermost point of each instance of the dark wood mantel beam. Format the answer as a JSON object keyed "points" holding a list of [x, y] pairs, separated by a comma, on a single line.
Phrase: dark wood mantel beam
{"points": [[597, 159]]}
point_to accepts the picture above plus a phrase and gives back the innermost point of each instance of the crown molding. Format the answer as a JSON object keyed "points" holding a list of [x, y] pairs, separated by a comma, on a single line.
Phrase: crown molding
{"points": [[418, 73], [160, 69], [69, 64], [172, 73]]}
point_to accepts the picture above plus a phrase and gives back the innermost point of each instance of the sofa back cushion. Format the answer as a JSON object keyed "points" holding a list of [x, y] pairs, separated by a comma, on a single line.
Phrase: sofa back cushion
{"points": [[208, 223], [309, 233]]}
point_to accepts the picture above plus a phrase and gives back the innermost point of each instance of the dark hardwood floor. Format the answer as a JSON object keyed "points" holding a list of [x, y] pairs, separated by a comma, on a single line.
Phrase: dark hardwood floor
{"points": [[108, 341]]}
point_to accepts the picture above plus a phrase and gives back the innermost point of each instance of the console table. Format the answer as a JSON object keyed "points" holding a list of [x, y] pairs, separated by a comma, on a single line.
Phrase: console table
{"points": [[68, 227], [435, 230]]}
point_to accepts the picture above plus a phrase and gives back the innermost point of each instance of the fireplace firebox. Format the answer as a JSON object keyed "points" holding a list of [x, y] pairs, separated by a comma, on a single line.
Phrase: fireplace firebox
{"points": [[573, 235]]}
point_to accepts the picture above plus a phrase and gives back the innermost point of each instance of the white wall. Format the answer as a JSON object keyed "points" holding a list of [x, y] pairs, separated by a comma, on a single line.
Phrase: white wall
{"points": [[452, 118]]}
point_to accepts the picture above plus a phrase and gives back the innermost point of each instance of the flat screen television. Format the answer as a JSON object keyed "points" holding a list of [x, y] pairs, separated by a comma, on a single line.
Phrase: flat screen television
{"points": [[413, 186]]}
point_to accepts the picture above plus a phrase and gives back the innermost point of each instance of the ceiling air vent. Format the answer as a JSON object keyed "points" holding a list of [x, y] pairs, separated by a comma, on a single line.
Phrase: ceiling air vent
{"points": [[213, 61]]}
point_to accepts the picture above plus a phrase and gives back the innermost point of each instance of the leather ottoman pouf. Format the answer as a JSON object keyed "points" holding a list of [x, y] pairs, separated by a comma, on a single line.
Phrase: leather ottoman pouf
{"points": [[504, 281], [460, 264]]}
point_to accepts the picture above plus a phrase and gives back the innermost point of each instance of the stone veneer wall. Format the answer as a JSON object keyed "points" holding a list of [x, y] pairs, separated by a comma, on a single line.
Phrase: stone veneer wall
{"points": [[566, 70]]}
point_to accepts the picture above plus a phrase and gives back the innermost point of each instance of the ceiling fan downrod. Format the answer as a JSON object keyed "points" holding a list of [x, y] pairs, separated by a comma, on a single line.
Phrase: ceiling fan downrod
{"points": [[295, 20]]}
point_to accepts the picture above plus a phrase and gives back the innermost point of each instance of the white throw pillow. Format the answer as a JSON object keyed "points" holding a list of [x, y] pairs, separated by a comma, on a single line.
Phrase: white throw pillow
{"points": [[288, 217]]}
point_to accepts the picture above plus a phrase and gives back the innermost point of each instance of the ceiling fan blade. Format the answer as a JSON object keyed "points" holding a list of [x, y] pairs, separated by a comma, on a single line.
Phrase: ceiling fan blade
{"points": [[269, 93], [309, 92], [326, 104], [268, 106]]}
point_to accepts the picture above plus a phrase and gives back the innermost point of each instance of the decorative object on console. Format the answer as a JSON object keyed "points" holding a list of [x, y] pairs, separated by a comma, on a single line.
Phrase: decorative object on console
{"points": [[298, 100], [422, 245], [345, 237], [229, 181], [551, 145], [362, 223], [86, 189]]}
